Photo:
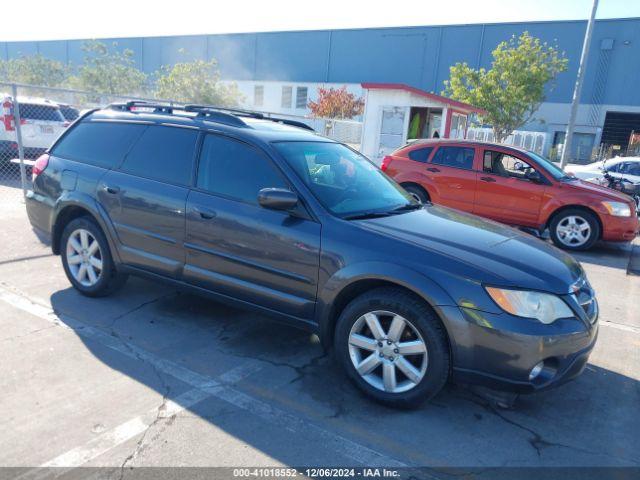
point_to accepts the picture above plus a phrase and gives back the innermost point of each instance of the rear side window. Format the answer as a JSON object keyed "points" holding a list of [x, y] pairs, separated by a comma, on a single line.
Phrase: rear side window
{"points": [[98, 143], [69, 113], [164, 154], [420, 154], [457, 157], [31, 111], [236, 170]]}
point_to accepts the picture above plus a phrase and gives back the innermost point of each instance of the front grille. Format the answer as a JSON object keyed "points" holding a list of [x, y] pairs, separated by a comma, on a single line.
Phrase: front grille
{"points": [[585, 296]]}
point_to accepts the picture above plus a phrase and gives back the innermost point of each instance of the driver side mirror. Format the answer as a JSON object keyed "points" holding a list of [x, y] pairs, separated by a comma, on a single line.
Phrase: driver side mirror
{"points": [[534, 176], [277, 199]]}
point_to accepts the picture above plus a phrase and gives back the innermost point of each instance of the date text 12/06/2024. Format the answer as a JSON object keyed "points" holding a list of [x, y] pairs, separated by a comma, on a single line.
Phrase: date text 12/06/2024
{"points": [[316, 472]]}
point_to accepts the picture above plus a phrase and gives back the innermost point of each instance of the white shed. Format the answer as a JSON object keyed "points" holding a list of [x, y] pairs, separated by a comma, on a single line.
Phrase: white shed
{"points": [[395, 113]]}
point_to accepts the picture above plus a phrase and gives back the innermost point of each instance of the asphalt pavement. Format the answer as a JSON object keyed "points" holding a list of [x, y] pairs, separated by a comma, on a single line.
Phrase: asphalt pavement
{"points": [[155, 377]]}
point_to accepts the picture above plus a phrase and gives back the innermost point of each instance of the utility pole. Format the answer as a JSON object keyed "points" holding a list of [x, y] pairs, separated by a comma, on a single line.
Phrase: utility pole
{"points": [[568, 137]]}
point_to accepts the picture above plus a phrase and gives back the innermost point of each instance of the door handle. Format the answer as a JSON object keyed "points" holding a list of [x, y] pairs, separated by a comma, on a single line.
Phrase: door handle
{"points": [[433, 169], [111, 189], [487, 179], [204, 213]]}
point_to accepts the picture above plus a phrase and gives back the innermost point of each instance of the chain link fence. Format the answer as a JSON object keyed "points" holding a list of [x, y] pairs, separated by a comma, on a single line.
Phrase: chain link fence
{"points": [[33, 117]]}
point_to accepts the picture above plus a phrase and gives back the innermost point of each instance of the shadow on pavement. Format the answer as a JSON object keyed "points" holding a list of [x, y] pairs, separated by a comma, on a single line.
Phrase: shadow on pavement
{"points": [[605, 254], [592, 421]]}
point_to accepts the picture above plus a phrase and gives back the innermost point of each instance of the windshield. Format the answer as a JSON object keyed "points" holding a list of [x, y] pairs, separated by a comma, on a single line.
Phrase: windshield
{"points": [[548, 166], [345, 182]]}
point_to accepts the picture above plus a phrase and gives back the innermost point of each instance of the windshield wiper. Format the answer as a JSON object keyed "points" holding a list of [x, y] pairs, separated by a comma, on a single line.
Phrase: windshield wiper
{"points": [[365, 215], [377, 213], [408, 207]]}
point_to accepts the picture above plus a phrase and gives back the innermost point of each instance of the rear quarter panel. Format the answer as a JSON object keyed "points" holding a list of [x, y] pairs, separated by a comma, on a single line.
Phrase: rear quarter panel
{"points": [[404, 170]]}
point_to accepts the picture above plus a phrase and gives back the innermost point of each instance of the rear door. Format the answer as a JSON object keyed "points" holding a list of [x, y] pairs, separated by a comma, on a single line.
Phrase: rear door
{"points": [[503, 191], [238, 248], [452, 175], [146, 198]]}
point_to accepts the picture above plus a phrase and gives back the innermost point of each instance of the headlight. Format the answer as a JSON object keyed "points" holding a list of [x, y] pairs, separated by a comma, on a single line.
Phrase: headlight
{"points": [[617, 209], [544, 307]]}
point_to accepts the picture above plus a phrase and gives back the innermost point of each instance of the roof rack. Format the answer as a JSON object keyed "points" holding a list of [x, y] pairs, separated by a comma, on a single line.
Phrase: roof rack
{"points": [[158, 107], [228, 116]]}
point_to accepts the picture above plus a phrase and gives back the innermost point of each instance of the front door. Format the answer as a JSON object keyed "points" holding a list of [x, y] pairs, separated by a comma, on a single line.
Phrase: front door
{"points": [[453, 177], [505, 192], [239, 249], [146, 197]]}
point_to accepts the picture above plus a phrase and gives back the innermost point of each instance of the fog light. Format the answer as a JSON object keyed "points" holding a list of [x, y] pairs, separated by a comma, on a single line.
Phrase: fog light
{"points": [[535, 371]]}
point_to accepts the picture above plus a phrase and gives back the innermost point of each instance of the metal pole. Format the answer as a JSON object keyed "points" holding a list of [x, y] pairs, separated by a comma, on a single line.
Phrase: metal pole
{"points": [[568, 137], [16, 116]]}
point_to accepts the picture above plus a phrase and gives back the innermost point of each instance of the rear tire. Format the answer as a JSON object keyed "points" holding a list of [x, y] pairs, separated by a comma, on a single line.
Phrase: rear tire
{"points": [[418, 193], [407, 365], [87, 260], [574, 229]]}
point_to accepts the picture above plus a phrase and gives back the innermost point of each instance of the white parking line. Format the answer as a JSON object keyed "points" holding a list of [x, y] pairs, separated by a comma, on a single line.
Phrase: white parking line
{"points": [[203, 385], [126, 431]]}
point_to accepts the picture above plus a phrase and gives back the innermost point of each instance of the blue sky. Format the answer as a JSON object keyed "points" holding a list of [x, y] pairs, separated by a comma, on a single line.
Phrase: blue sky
{"points": [[47, 19]]}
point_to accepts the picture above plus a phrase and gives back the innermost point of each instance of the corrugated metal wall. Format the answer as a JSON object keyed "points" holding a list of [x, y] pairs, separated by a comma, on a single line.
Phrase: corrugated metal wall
{"points": [[417, 56]]}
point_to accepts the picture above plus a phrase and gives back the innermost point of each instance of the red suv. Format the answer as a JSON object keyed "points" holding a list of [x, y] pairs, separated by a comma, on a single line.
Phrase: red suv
{"points": [[513, 186]]}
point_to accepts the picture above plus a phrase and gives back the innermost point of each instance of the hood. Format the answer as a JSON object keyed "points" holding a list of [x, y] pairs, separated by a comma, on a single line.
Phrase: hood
{"points": [[480, 250], [591, 187]]}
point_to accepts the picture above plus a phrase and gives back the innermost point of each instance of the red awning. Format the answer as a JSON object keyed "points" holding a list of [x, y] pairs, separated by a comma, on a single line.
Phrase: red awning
{"points": [[431, 96]]}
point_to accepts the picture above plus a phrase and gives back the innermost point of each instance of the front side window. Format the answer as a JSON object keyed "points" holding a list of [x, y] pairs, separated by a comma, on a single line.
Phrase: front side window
{"points": [[343, 181], [236, 170], [505, 165], [457, 157], [164, 154], [630, 168], [101, 144]]}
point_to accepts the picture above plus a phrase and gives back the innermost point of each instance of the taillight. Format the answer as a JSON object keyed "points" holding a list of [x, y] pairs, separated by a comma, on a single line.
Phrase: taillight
{"points": [[8, 118], [39, 166], [385, 163]]}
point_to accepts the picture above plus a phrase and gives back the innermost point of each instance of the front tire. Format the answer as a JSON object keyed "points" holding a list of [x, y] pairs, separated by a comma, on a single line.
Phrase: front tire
{"points": [[393, 347], [87, 260], [574, 229]]}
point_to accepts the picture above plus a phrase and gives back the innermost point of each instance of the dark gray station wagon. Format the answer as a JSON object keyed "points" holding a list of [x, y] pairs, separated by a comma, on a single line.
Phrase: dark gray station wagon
{"points": [[275, 218]]}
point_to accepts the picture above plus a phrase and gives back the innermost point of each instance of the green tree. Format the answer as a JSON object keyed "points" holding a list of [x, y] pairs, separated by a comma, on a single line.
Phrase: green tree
{"points": [[108, 72], [34, 70], [512, 90], [196, 82]]}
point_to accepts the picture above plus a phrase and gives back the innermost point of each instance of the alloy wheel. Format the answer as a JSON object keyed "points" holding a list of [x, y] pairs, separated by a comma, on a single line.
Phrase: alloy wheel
{"points": [[573, 231], [387, 351], [84, 257], [416, 197]]}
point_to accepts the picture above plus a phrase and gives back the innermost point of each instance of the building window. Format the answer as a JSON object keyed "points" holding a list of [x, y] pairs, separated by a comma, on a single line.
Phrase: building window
{"points": [[301, 97], [287, 93], [258, 95]]}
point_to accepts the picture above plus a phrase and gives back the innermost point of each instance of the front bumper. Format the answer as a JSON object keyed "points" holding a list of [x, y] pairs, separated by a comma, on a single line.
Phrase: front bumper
{"points": [[498, 351], [620, 229]]}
